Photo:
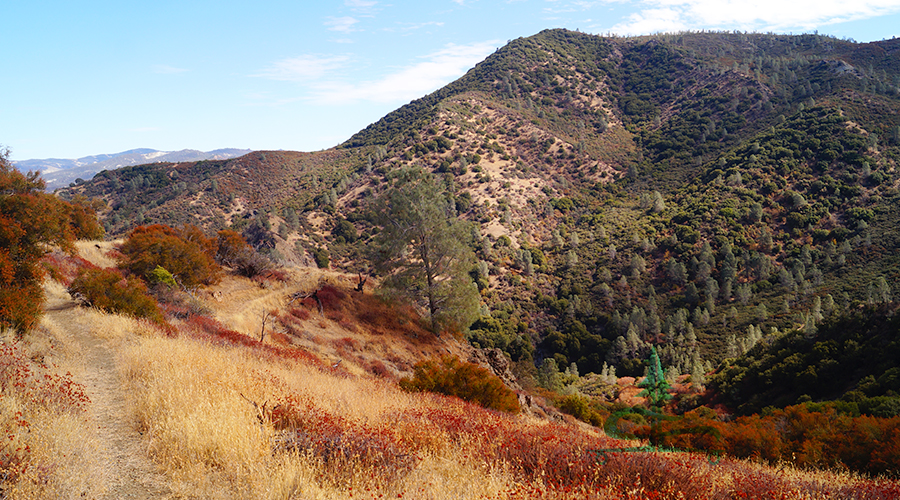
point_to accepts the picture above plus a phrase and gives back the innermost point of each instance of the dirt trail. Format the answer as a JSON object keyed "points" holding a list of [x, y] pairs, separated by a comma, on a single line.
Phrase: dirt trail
{"points": [[130, 473]]}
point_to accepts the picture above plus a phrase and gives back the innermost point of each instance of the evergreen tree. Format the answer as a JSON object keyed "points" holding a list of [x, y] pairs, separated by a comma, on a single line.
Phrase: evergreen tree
{"points": [[655, 385], [423, 249]]}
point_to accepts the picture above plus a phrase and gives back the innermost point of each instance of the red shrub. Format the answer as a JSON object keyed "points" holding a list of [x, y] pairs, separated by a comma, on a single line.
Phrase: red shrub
{"points": [[330, 297], [300, 313]]}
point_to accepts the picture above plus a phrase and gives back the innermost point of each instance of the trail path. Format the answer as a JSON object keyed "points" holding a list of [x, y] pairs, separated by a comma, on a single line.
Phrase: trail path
{"points": [[130, 472]]}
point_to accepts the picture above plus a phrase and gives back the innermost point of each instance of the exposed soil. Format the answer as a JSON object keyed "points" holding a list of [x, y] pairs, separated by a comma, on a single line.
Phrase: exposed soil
{"points": [[130, 473]]}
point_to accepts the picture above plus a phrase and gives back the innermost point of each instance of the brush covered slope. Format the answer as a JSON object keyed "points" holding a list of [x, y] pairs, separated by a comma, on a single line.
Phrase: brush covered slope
{"points": [[215, 412], [701, 192]]}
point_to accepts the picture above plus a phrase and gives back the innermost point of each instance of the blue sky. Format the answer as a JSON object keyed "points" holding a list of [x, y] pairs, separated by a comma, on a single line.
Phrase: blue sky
{"points": [[89, 77]]}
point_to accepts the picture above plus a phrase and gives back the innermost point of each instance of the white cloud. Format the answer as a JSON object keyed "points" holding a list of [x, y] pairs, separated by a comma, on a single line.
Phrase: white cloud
{"points": [[650, 21], [342, 24], [752, 15], [303, 68], [411, 82]]}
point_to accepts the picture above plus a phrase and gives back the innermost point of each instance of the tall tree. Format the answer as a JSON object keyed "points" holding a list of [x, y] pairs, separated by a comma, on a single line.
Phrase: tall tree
{"points": [[423, 249]]}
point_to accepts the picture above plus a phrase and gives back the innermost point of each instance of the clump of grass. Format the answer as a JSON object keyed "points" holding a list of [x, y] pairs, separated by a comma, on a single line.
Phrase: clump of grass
{"points": [[46, 450]]}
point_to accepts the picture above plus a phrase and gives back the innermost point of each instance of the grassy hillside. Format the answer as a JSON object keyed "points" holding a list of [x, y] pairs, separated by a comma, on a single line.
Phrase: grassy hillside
{"points": [[699, 192], [206, 409]]}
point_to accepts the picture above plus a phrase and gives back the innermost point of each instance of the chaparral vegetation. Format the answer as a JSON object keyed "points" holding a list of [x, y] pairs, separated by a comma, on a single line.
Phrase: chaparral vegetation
{"points": [[618, 268]]}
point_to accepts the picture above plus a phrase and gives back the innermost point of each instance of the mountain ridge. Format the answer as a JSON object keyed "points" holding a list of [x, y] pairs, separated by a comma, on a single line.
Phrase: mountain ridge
{"points": [[58, 172], [699, 191]]}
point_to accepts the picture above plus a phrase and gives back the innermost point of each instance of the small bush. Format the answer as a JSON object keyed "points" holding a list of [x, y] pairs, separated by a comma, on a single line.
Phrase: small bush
{"points": [[581, 408], [330, 297], [185, 253], [448, 375], [300, 313], [234, 251], [321, 257], [109, 291]]}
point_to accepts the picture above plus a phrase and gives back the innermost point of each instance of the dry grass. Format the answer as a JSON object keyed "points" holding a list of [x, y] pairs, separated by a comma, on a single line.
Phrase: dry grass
{"points": [[48, 444], [194, 399], [98, 252], [223, 416]]}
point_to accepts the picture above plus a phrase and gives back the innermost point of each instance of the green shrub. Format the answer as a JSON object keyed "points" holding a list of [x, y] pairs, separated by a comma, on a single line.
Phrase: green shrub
{"points": [[108, 290], [160, 276], [580, 407], [448, 375], [321, 257]]}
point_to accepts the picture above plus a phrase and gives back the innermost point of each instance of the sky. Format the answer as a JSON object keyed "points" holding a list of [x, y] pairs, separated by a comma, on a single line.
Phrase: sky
{"points": [[86, 77]]}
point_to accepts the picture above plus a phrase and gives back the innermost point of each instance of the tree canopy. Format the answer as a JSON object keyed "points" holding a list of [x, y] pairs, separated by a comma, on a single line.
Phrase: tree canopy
{"points": [[423, 249]]}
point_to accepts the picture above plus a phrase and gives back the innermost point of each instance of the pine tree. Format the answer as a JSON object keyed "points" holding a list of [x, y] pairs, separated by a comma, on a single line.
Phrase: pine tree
{"points": [[423, 251], [655, 385]]}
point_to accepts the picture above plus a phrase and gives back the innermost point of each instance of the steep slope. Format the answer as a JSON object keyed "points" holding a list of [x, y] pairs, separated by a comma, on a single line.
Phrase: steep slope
{"points": [[697, 191]]}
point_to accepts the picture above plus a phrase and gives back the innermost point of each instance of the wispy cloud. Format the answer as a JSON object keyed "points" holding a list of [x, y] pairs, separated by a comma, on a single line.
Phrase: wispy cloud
{"points": [[408, 83], [360, 4], [410, 27], [363, 7], [343, 24], [752, 15], [163, 69], [303, 68]]}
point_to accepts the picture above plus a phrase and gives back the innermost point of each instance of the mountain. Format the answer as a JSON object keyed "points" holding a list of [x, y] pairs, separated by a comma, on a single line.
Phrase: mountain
{"points": [[61, 172], [701, 192]]}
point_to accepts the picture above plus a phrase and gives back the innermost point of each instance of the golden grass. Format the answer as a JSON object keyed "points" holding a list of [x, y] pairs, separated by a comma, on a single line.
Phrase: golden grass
{"points": [[54, 443], [227, 421], [194, 400], [97, 252]]}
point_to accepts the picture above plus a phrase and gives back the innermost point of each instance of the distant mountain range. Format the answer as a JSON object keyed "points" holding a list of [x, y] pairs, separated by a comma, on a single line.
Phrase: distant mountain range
{"points": [[62, 172]]}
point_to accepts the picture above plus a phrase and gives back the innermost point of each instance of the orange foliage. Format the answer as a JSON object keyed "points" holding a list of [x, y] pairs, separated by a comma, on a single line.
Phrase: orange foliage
{"points": [[185, 253], [807, 435], [30, 221]]}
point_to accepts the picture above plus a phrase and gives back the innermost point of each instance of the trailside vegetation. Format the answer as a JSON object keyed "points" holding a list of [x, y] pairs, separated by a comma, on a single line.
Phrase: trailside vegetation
{"points": [[467, 381], [32, 222]]}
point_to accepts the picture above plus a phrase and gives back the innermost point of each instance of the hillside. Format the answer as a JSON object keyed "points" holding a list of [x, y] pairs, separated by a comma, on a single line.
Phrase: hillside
{"points": [[701, 192], [201, 407]]}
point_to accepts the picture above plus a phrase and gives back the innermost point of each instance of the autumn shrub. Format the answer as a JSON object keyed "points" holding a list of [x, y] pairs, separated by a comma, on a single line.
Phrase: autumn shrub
{"points": [[453, 377], [31, 223], [330, 297], [234, 251], [110, 291], [809, 435], [186, 253], [83, 218]]}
